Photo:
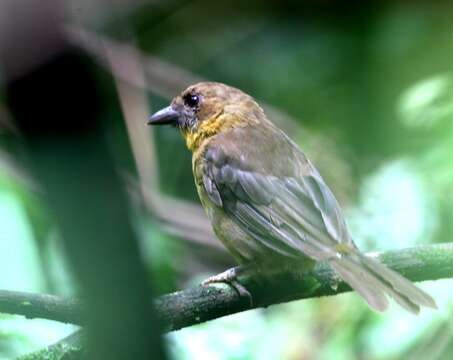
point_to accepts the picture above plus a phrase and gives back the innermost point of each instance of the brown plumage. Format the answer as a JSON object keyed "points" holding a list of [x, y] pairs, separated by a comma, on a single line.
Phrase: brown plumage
{"points": [[266, 201]]}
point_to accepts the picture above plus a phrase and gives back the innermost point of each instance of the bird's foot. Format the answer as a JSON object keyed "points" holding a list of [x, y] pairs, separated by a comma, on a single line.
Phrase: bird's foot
{"points": [[230, 277], [226, 276]]}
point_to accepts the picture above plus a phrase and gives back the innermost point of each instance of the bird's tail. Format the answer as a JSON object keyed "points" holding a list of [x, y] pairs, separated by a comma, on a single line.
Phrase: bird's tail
{"points": [[375, 282]]}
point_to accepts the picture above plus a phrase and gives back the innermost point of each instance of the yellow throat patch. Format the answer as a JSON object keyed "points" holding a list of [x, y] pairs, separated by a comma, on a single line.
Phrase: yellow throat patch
{"points": [[208, 128]]}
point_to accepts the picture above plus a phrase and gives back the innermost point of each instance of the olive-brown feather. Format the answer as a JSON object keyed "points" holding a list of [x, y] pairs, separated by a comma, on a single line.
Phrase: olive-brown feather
{"points": [[267, 203]]}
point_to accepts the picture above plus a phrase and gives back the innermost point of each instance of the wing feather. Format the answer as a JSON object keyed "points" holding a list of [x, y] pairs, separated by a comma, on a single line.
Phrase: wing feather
{"points": [[282, 214], [293, 212]]}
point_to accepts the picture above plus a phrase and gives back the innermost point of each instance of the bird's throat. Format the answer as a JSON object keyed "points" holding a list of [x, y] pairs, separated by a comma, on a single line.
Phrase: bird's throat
{"points": [[208, 128]]}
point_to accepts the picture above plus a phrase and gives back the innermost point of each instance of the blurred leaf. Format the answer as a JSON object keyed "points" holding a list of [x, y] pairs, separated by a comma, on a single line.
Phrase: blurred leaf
{"points": [[428, 103]]}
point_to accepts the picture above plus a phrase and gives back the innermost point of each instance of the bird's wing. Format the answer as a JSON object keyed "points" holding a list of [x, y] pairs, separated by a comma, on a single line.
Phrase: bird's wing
{"points": [[283, 203], [290, 214], [296, 213]]}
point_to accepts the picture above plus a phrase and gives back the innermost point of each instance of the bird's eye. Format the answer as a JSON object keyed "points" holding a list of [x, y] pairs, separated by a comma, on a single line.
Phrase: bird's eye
{"points": [[191, 100]]}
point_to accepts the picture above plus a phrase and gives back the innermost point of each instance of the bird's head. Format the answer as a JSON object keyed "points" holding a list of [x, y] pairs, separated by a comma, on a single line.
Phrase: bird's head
{"points": [[206, 109]]}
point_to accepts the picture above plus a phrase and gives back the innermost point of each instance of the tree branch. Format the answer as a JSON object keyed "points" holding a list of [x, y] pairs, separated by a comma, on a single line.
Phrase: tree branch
{"points": [[68, 348], [43, 306], [202, 303]]}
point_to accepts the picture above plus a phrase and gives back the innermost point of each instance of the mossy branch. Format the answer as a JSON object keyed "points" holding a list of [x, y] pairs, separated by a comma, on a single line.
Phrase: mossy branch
{"points": [[199, 304], [202, 303], [68, 348], [30, 305]]}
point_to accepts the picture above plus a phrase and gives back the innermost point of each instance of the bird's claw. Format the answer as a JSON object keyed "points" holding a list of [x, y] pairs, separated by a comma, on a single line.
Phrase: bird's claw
{"points": [[230, 277], [226, 276]]}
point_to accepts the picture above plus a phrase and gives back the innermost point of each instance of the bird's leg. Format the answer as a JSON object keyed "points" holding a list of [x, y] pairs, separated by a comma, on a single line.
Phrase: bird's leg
{"points": [[230, 277]]}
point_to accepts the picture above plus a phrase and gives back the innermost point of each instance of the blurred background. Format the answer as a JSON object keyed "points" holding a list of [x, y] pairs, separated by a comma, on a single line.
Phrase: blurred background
{"points": [[365, 88]]}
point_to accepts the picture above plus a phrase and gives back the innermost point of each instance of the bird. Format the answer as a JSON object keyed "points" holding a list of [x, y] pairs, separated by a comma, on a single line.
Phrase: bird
{"points": [[266, 201]]}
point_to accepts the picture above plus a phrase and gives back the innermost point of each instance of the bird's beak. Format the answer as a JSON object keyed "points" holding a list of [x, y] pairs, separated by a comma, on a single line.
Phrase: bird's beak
{"points": [[165, 116]]}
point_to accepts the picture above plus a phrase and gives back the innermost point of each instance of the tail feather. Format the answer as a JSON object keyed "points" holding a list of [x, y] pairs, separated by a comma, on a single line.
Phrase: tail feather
{"points": [[399, 283], [376, 299], [375, 281]]}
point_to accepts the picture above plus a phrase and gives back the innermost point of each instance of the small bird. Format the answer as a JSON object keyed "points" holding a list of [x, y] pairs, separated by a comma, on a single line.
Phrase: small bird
{"points": [[266, 201]]}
